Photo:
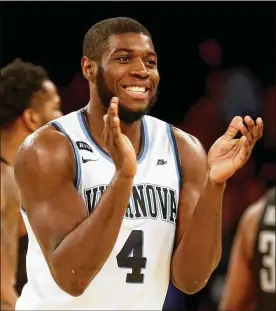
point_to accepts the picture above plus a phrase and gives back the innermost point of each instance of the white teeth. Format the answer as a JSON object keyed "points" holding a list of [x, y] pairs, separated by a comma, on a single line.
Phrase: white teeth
{"points": [[136, 89]]}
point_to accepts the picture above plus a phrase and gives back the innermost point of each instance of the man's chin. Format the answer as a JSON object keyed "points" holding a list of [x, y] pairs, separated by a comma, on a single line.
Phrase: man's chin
{"points": [[134, 105], [128, 116]]}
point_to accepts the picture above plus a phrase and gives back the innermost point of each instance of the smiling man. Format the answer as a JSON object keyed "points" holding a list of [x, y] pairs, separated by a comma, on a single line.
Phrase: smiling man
{"points": [[116, 202]]}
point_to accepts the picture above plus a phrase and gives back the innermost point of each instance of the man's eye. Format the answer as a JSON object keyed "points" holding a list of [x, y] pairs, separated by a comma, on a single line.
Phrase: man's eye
{"points": [[123, 59], [151, 62]]}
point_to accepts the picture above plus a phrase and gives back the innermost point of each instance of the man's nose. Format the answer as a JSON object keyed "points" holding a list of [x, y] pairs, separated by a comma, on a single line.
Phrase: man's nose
{"points": [[139, 70]]}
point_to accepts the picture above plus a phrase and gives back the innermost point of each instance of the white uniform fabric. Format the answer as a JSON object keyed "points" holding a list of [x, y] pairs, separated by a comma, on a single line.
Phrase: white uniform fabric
{"points": [[136, 274]]}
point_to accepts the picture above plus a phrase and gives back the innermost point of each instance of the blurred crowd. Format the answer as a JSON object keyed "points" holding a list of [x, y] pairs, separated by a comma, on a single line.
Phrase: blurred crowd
{"points": [[228, 92]]}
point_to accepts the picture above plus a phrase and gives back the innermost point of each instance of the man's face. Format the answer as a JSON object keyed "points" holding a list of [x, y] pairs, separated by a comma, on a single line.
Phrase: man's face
{"points": [[47, 102], [128, 70]]}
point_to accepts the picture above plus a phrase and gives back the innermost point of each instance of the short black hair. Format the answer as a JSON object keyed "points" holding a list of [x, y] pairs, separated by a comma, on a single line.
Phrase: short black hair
{"points": [[18, 82], [97, 36]]}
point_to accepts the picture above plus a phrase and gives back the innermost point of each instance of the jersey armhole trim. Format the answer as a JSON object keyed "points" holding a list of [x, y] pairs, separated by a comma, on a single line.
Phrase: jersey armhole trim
{"points": [[60, 128], [23, 210], [173, 144]]}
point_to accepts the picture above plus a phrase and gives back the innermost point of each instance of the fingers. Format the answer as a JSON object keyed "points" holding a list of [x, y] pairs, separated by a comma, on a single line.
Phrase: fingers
{"points": [[112, 129], [254, 131], [233, 128], [108, 121], [106, 131], [115, 124], [251, 131], [243, 154], [114, 106], [260, 128]]}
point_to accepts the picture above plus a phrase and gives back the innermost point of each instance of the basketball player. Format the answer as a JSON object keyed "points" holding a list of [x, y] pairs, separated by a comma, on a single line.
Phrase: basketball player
{"points": [[28, 99], [115, 202], [250, 281]]}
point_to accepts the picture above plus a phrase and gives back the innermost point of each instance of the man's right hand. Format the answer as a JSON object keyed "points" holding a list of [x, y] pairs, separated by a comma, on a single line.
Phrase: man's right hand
{"points": [[117, 144]]}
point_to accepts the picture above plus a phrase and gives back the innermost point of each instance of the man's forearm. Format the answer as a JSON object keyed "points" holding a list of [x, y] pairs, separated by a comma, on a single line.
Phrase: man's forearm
{"points": [[81, 255], [8, 292], [199, 251], [6, 306], [8, 301]]}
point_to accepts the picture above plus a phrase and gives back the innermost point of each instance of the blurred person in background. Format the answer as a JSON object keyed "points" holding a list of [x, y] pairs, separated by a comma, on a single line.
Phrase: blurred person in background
{"points": [[243, 94], [28, 99], [75, 95], [210, 52], [269, 114], [268, 154], [241, 89], [250, 283], [206, 111]]}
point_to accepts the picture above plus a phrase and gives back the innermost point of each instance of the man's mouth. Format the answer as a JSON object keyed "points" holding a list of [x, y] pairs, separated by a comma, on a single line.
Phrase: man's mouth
{"points": [[137, 92]]}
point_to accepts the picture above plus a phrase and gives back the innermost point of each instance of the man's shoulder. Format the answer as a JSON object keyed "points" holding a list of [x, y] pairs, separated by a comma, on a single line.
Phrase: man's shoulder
{"points": [[248, 225], [41, 156], [41, 137], [253, 213], [45, 143], [188, 145]]}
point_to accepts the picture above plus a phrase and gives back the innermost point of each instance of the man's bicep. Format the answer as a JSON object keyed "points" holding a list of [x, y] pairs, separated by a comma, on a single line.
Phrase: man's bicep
{"points": [[54, 218], [44, 172]]}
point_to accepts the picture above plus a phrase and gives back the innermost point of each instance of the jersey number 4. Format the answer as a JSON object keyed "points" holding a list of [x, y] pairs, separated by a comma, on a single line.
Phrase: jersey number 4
{"points": [[136, 262]]}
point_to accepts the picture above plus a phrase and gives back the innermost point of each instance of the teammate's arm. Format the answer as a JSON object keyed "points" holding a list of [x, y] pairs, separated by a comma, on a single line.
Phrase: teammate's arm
{"points": [[198, 236], [239, 291], [75, 245], [8, 292]]}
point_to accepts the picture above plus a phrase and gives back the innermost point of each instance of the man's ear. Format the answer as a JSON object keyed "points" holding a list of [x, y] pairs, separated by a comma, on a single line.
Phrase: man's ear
{"points": [[31, 119], [89, 68]]}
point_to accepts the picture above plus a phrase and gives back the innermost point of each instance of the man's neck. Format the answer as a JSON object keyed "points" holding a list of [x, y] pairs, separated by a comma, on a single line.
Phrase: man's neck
{"points": [[95, 114], [10, 142]]}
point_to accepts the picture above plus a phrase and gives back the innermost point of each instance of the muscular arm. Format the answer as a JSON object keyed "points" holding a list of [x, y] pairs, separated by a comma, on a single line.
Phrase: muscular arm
{"points": [[8, 293], [75, 245], [239, 291], [198, 237]]}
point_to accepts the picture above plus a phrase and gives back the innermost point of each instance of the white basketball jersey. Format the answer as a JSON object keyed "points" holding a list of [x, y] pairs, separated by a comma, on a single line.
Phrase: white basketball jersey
{"points": [[136, 274]]}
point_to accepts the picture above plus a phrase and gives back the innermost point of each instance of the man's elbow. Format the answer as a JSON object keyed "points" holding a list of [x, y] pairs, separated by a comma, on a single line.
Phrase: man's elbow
{"points": [[67, 282], [193, 283], [74, 292], [218, 258], [75, 282], [190, 281], [189, 287], [216, 262], [70, 286]]}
